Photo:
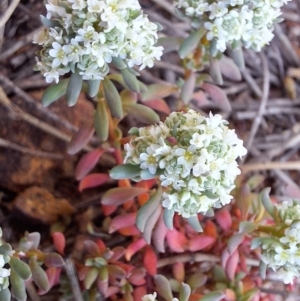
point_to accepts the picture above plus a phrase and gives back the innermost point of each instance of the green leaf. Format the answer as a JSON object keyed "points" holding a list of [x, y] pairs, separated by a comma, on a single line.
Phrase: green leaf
{"points": [[91, 277], [125, 171], [197, 280], [185, 292], [119, 63], [266, 201], [39, 276], [168, 218], [49, 23], [113, 98], [234, 242], [20, 267], [191, 42], [188, 87], [246, 227], [119, 195], [158, 91], [5, 295], [18, 286], [6, 249], [130, 80], [248, 296], [215, 71], [142, 113], [194, 223], [93, 87], [54, 92], [237, 56], [147, 209], [128, 97], [163, 287], [101, 122], [74, 88], [213, 296]]}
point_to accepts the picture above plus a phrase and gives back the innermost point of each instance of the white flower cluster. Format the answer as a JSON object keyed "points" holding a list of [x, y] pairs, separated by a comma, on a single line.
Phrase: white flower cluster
{"points": [[87, 34], [282, 254], [249, 22], [4, 273], [152, 297], [195, 158]]}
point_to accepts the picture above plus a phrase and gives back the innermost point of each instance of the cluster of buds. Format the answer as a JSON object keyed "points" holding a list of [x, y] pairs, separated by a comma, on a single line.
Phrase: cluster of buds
{"points": [[234, 22], [194, 157], [281, 252], [87, 35]]}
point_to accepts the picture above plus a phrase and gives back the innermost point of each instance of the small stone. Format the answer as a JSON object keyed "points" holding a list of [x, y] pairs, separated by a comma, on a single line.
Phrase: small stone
{"points": [[39, 204]]}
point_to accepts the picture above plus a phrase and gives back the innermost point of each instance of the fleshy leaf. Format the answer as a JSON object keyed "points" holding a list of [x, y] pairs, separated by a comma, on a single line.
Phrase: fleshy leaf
{"points": [[142, 113], [151, 221], [20, 267], [185, 292], [87, 163], [18, 286], [213, 296], [39, 276], [188, 87], [119, 195], [59, 241], [158, 91], [93, 180], [159, 235], [150, 261], [224, 219], [130, 80], [5, 295], [176, 241], [74, 88], [113, 98], [200, 242], [229, 69], [191, 42], [266, 201], [215, 72], [246, 227], [101, 123], [147, 210], [169, 44], [158, 105], [125, 171], [163, 287], [122, 221], [54, 260], [168, 218], [93, 87], [80, 140], [235, 241], [194, 223], [134, 248], [91, 277], [54, 92], [197, 280], [218, 96], [231, 265]]}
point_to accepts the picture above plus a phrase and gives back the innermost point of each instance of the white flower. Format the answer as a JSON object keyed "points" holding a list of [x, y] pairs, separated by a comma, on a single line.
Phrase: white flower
{"points": [[58, 54], [150, 297], [197, 166]]}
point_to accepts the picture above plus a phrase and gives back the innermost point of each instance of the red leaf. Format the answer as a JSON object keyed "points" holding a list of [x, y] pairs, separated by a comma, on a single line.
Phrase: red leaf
{"points": [[122, 221], [229, 68], [137, 276], [59, 242], [218, 96], [53, 275], [176, 241], [130, 231], [150, 261], [119, 195], [224, 219], [231, 265], [80, 140], [108, 209], [178, 271], [139, 292], [118, 253], [159, 235], [112, 290], [134, 247], [200, 98], [93, 180], [200, 242], [87, 163], [158, 105]]}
